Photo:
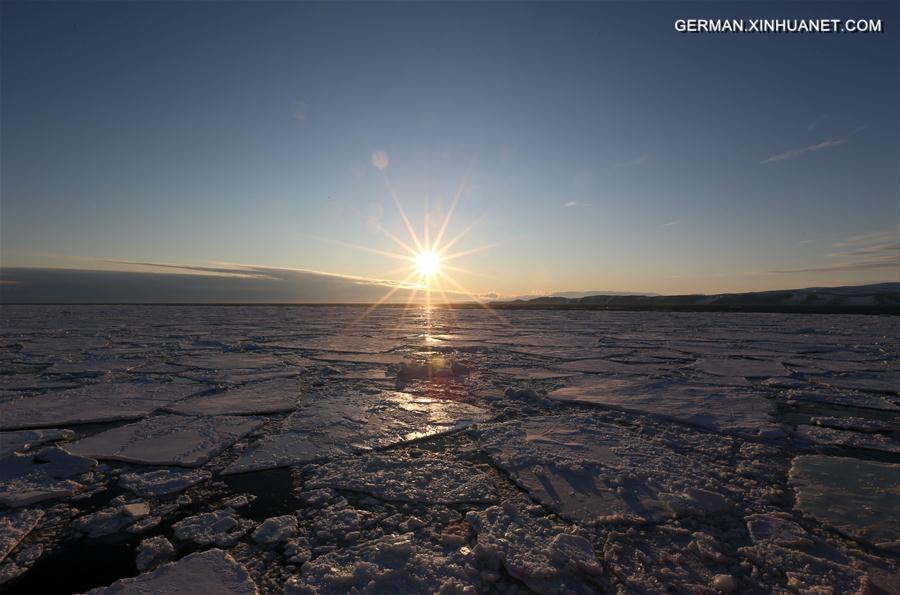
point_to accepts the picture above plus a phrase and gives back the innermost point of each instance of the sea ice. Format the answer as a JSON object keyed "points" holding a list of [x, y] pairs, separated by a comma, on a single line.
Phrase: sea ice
{"points": [[162, 482], [856, 497], [221, 528], [740, 367], [535, 550], [167, 440], [152, 552], [89, 404], [389, 565], [276, 529], [28, 479], [331, 425], [805, 562], [851, 439], [110, 521], [421, 479], [212, 571], [23, 440], [15, 526], [727, 410], [591, 471], [273, 396]]}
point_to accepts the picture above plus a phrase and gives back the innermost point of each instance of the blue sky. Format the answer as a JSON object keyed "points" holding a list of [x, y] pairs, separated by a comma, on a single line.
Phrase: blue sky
{"points": [[596, 147]]}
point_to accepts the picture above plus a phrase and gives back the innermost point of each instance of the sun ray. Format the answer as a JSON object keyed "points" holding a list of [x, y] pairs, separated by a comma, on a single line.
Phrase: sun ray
{"points": [[409, 227], [467, 252], [460, 235]]}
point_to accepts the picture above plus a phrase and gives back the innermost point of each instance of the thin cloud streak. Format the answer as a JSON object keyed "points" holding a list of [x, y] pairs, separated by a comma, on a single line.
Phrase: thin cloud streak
{"points": [[791, 154]]}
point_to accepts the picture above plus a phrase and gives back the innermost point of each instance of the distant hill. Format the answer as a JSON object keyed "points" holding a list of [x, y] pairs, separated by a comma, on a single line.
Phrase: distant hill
{"points": [[880, 298], [576, 294]]}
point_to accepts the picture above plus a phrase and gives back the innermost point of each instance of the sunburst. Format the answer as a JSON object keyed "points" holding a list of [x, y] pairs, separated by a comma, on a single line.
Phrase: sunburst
{"points": [[428, 263]]}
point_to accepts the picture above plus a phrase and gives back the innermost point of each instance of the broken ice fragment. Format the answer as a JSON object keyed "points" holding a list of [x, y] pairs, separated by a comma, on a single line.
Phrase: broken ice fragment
{"points": [[167, 440]]}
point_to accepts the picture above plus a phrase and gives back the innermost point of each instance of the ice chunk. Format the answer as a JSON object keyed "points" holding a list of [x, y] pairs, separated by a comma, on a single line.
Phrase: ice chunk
{"points": [[332, 425], [167, 440], [535, 550], [110, 521], [808, 563], [14, 527], [727, 410], [90, 404], [858, 424], [276, 530], [153, 552], [391, 564], [25, 479], [740, 367], [858, 498], [221, 527], [665, 559], [421, 479], [590, 471], [212, 571], [23, 440], [272, 396], [164, 481], [823, 435], [533, 373]]}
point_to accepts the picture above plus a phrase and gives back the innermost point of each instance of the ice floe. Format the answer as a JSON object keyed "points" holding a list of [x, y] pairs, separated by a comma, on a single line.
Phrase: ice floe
{"points": [[212, 571], [92, 403], [273, 396], [330, 425], [163, 481], [856, 497], [221, 528], [535, 550], [590, 471], [389, 565], [422, 479], [729, 410], [167, 440]]}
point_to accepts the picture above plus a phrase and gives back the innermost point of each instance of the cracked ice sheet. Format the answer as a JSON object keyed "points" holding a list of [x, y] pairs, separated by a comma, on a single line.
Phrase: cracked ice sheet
{"points": [[807, 563], [389, 565], [540, 553], [589, 471], [421, 479], [167, 440], [722, 409], [23, 440], [329, 425], [14, 527], [90, 404], [858, 498], [274, 396], [212, 571], [848, 438], [740, 367], [163, 481]]}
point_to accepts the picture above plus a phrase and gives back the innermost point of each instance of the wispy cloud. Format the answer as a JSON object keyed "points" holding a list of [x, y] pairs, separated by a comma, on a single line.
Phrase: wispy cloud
{"points": [[299, 111], [825, 144], [570, 204], [869, 251], [671, 223], [637, 161]]}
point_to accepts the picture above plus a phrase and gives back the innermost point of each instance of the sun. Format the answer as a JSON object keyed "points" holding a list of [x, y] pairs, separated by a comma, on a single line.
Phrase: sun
{"points": [[428, 263]]}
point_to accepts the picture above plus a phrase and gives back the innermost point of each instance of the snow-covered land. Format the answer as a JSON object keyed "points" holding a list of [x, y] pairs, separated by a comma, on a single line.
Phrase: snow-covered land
{"points": [[176, 449]]}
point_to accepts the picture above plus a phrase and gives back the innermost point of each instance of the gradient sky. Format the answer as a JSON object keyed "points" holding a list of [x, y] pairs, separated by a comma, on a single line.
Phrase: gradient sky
{"points": [[601, 149]]}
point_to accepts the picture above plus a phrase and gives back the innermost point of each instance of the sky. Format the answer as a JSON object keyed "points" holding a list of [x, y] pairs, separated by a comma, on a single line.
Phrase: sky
{"points": [[578, 147]]}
